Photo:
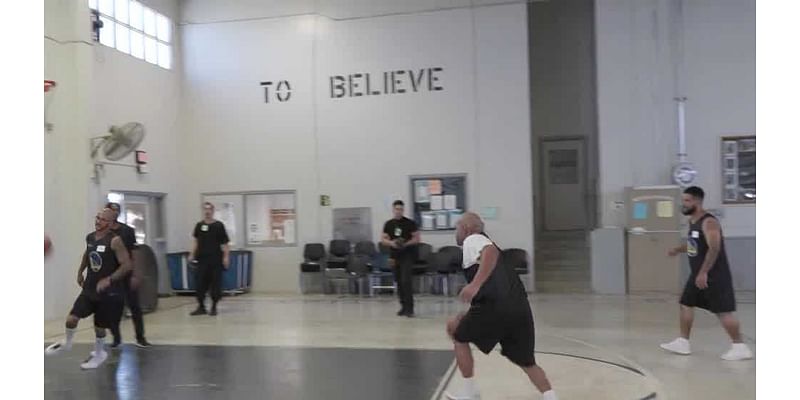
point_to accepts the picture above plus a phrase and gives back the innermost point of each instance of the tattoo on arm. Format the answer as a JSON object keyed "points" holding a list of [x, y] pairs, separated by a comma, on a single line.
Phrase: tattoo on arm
{"points": [[713, 235]]}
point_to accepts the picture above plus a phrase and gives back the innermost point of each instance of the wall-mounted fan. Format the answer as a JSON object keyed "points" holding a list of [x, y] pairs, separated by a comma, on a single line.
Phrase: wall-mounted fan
{"points": [[120, 141]]}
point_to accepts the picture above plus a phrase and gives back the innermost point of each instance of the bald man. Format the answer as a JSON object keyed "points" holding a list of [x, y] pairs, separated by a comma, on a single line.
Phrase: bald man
{"points": [[499, 311], [107, 262]]}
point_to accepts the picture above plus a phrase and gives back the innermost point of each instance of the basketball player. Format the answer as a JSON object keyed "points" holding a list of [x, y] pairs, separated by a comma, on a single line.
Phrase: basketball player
{"points": [[108, 263], [710, 285], [499, 311], [211, 254], [130, 283]]}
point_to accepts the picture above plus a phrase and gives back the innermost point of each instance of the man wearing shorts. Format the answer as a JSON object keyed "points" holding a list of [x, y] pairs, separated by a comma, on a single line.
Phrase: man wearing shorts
{"points": [[107, 262], [499, 311], [710, 285]]}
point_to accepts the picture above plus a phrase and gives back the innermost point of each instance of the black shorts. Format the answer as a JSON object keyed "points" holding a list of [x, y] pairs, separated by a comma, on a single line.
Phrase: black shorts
{"points": [[511, 326], [718, 298], [107, 310]]}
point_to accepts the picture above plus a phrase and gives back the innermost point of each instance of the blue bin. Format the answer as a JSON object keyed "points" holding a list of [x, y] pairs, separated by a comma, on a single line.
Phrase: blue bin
{"points": [[238, 278]]}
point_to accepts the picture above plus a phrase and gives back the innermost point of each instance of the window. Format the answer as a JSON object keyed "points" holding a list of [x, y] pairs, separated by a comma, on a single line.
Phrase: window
{"points": [[135, 29], [739, 170]]}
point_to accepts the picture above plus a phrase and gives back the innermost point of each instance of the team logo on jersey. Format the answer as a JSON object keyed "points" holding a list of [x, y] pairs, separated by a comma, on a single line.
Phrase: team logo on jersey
{"points": [[691, 247], [398, 232], [95, 261]]}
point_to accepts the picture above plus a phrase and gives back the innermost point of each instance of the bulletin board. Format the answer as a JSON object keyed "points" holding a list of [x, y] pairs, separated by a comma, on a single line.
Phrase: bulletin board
{"points": [[438, 201]]}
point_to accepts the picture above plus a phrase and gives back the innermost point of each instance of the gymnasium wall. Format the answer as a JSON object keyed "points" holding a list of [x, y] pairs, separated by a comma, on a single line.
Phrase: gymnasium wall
{"points": [[98, 87], [643, 62], [468, 114]]}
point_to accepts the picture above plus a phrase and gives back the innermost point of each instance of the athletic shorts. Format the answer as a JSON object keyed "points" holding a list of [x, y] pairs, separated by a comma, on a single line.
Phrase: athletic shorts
{"points": [[107, 310], [718, 298], [512, 327]]}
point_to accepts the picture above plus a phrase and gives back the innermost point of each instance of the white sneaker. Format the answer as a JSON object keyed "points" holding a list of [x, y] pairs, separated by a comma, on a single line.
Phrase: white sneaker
{"points": [[463, 395], [738, 352], [678, 346], [95, 361], [57, 348]]}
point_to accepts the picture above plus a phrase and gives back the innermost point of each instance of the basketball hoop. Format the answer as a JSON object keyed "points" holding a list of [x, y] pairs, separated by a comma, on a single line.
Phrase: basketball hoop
{"points": [[48, 85]]}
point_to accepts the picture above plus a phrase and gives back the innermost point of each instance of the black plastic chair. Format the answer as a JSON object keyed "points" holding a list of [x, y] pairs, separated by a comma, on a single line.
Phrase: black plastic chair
{"points": [[517, 258], [313, 258]]}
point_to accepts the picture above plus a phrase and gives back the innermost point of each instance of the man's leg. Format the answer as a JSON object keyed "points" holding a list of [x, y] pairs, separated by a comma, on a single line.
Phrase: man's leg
{"points": [[538, 377], [132, 299], [465, 363], [687, 320], [202, 279], [98, 355], [407, 266], [739, 350], [681, 345], [216, 286], [115, 331], [398, 280], [82, 308]]}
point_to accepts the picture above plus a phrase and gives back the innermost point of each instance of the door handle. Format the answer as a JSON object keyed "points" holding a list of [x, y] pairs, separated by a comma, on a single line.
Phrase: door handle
{"points": [[638, 231]]}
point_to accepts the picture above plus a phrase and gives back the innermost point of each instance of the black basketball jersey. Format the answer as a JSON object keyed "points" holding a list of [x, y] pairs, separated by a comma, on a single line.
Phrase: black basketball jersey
{"points": [[697, 249], [102, 263], [503, 285]]}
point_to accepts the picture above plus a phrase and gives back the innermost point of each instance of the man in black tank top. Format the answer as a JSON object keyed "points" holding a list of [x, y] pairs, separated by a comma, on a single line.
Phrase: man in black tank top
{"points": [[107, 262], [499, 311], [710, 285]]}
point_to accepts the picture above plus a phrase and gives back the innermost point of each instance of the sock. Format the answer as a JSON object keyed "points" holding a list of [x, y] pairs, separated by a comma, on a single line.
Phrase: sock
{"points": [[549, 395], [683, 340], [469, 385], [70, 333], [740, 346], [99, 344]]}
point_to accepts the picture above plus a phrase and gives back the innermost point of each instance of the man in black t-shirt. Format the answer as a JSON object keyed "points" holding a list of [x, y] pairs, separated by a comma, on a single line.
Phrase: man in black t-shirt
{"points": [[211, 254], [401, 235], [130, 283], [106, 262]]}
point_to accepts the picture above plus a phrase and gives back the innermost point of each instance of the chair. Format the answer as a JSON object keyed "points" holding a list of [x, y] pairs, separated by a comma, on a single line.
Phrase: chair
{"points": [[336, 264], [361, 263], [381, 272], [422, 269], [447, 264], [311, 268]]}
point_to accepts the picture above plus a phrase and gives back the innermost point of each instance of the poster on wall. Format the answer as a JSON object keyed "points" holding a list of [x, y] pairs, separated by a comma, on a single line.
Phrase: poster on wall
{"points": [[439, 200], [271, 219], [353, 224]]}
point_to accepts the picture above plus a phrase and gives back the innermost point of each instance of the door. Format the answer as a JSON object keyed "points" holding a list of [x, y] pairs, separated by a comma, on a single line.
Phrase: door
{"points": [[144, 212], [564, 184], [653, 228]]}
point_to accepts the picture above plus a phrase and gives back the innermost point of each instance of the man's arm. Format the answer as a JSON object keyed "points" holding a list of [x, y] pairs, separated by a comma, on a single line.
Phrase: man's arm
{"points": [[194, 250], [713, 235], [415, 238], [226, 252], [678, 250], [83, 266], [124, 258]]}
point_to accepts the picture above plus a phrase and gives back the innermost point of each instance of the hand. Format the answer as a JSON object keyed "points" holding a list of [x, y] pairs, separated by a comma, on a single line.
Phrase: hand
{"points": [[394, 244], [673, 252], [103, 284], [468, 293], [80, 280], [701, 281], [135, 281], [226, 262]]}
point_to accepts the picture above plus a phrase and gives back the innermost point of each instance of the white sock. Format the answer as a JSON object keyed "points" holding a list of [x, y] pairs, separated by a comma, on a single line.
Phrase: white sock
{"points": [[99, 344], [740, 346], [549, 395], [70, 333], [469, 385], [683, 339]]}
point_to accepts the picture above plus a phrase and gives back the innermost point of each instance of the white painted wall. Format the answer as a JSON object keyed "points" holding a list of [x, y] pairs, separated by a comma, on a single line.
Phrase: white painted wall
{"points": [[360, 150], [641, 68], [99, 87]]}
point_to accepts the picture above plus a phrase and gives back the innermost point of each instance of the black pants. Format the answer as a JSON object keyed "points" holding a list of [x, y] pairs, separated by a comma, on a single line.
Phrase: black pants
{"points": [[209, 279], [403, 272], [131, 297]]}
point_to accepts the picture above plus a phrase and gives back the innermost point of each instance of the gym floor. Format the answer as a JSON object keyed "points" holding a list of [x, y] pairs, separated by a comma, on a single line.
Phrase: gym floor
{"points": [[343, 347]]}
